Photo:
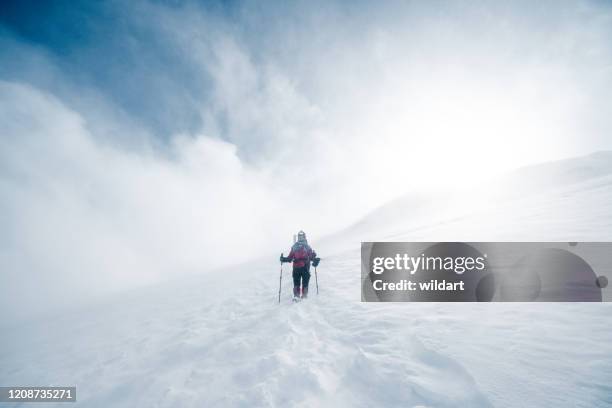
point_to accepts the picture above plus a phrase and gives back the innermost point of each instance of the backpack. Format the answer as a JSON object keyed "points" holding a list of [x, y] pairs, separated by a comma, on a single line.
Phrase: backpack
{"points": [[301, 251]]}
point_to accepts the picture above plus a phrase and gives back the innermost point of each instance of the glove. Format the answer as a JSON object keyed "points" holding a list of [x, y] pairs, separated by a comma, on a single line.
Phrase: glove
{"points": [[283, 259], [315, 262]]}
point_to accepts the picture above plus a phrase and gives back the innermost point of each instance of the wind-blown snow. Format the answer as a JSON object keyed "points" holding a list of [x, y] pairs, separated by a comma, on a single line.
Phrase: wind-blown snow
{"points": [[222, 339]]}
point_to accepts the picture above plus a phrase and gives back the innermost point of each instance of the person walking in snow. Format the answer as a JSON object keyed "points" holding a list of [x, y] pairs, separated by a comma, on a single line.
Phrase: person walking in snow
{"points": [[301, 255]]}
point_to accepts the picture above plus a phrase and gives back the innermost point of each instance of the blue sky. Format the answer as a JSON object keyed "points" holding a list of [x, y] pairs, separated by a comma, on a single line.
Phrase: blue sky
{"points": [[102, 45]]}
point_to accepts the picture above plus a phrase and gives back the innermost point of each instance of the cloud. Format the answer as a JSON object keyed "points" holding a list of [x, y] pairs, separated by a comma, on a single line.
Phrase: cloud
{"points": [[84, 216]]}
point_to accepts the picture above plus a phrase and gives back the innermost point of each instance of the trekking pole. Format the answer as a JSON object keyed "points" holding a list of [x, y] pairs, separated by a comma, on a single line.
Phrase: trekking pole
{"points": [[316, 280], [280, 282]]}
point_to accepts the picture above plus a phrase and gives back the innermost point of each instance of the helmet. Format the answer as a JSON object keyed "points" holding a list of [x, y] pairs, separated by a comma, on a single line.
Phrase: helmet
{"points": [[301, 236]]}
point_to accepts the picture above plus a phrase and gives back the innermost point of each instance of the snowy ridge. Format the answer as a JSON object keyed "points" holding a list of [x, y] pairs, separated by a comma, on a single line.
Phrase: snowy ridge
{"points": [[222, 340], [564, 186]]}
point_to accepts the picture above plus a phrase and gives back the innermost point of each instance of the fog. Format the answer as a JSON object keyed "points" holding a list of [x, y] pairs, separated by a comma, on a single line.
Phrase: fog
{"points": [[146, 141]]}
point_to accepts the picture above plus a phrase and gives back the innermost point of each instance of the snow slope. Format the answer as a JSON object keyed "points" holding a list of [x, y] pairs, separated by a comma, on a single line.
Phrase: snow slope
{"points": [[222, 340]]}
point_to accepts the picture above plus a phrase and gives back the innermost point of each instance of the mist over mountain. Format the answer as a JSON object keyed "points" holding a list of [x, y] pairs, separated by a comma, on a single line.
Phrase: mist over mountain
{"points": [[560, 184], [223, 339], [145, 141]]}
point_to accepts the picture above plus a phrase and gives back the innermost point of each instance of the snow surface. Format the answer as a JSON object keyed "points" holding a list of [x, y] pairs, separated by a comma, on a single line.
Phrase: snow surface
{"points": [[221, 339]]}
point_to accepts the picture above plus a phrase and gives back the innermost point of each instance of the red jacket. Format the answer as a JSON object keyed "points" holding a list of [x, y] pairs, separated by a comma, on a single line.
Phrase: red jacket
{"points": [[301, 254]]}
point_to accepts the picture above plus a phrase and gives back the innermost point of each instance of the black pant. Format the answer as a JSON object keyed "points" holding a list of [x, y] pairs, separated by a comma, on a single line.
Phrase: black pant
{"points": [[301, 274]]}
